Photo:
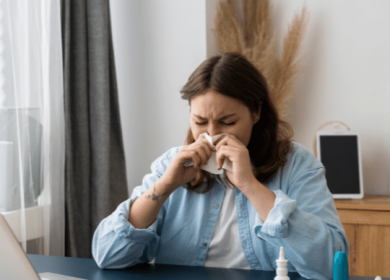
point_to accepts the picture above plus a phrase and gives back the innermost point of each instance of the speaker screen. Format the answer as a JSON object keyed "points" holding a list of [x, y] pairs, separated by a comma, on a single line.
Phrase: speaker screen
{"points": [[339, 155]]}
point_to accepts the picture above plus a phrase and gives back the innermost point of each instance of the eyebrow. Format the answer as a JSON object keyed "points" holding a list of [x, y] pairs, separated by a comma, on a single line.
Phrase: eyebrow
{"points": [[224, 117]]}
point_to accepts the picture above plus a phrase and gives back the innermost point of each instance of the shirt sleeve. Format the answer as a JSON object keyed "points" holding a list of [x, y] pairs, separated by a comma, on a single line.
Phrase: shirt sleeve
{"points": [[304, 220], [116, 242]]}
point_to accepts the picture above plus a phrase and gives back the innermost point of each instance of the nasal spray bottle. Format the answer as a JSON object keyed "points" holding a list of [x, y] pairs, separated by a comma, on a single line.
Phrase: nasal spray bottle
{"points": [[281, 271], [340, 266]]}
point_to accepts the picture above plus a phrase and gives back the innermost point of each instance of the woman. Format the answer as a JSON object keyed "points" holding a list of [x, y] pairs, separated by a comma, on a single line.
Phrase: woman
{"points": [[274, 194]]}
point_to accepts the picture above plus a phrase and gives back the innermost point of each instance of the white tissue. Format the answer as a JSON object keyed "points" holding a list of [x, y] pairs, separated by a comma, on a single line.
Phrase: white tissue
{"points": [[211, 165]]}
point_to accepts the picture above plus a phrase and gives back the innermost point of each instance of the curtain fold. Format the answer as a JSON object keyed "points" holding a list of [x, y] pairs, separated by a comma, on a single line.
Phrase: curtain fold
{"points": [[32, 145], [95, 180]]}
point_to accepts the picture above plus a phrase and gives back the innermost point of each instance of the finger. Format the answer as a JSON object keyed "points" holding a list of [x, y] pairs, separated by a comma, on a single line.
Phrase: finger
{"points": [[226, 152], [208, 149], [203, 148], [220, 157], [229, 140], [192, 154], [202, 154], [206, 142], [219, 140]]}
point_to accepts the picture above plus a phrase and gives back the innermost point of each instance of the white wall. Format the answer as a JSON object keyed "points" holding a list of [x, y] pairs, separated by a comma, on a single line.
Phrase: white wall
{"points": [[346, 77], [157, 45]]}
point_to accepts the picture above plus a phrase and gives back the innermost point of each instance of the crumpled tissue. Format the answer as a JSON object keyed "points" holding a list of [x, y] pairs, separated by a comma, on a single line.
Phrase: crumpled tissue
{"points": [[211, 165]]}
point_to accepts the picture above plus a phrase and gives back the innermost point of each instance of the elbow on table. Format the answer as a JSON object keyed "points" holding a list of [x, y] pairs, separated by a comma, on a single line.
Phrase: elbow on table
{"points": [[112, 258], [102, 264], [101, 259]]}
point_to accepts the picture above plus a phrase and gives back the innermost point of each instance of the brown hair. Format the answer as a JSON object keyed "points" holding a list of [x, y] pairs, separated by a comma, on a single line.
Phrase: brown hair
{"points": [[231, 74]]}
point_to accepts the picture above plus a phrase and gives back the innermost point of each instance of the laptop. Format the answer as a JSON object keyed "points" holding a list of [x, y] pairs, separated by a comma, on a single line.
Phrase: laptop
{"points": [[14, 263]]}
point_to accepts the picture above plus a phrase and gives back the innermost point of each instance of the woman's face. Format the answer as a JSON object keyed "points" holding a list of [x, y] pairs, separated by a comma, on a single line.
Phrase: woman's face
{"points": [[215, 113]]}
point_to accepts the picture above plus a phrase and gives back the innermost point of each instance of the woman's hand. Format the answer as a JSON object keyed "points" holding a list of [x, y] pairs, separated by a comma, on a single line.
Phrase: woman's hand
{"points": [[177, 174], [229, 147]]}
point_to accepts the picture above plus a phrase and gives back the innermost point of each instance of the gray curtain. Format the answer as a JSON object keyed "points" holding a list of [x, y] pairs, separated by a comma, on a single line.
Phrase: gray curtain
{"points": [[95, 180]]}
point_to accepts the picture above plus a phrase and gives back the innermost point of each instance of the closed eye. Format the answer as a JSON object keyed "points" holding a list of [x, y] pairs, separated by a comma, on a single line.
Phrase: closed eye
{"points": [[232, 123]]}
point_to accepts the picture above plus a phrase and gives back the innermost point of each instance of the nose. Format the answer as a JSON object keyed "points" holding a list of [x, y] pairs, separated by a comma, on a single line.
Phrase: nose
{"points": [[213, 130]]}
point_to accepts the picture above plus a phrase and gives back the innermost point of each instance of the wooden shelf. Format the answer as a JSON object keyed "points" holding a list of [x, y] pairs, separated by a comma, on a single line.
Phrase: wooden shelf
{"points": [[369, 202], [367, 225]]}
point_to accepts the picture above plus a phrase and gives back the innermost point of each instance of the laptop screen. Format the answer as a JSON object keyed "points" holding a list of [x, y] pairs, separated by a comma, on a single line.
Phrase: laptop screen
{"points": [[14, 263]]}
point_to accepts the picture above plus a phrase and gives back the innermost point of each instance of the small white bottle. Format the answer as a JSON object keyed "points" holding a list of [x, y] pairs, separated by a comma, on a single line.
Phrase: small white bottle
{"points": [[281, 271]]}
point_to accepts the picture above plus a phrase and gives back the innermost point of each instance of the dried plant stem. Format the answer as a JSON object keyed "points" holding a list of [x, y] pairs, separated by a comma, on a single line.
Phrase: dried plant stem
{"points": [[287, 69], [254, 40], [227, 28]]}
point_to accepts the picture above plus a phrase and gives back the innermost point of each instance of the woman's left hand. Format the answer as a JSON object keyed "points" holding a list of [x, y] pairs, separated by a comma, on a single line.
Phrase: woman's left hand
{"points": [[230, 147]]}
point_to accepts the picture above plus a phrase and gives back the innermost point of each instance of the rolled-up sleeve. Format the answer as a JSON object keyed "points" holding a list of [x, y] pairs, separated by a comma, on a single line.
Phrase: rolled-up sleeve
{"points": [[305, 222], [116, 242], [276, 224]]}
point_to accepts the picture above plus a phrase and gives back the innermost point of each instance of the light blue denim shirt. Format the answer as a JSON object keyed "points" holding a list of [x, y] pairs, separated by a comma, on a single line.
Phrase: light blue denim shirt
{"points": [[304, 221]]}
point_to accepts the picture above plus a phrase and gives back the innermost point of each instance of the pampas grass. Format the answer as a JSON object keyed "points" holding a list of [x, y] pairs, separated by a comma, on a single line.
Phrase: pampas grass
{"points": [[228, 30], [253, 39]]}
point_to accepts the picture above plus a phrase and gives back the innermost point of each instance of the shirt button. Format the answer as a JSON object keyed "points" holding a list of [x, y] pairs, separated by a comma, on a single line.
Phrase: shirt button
{"points": [[245, 243], [204, 244], [216, 205]]}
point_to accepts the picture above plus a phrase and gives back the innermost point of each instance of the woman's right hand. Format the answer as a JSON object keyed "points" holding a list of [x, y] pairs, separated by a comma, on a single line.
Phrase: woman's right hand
{"points": [[177, 174]]}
